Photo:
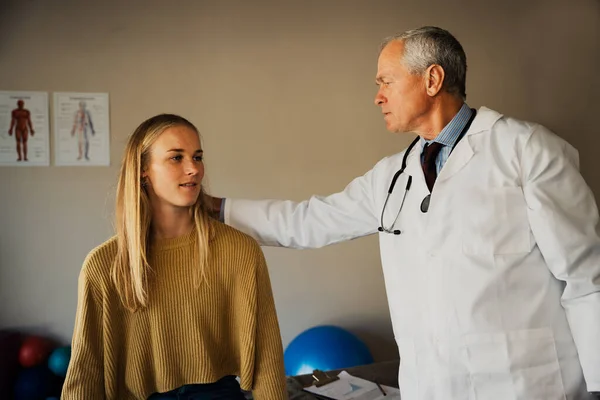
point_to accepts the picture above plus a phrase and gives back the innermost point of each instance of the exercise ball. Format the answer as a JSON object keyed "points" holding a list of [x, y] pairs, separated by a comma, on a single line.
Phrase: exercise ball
{"points": [[326, 348], [55, 385], [10, 343], [58, 362], [32, 383], [34, 351]]}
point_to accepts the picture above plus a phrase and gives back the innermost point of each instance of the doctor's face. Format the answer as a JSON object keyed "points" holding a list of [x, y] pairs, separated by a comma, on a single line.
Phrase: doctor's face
{"points": [[401, 95]]}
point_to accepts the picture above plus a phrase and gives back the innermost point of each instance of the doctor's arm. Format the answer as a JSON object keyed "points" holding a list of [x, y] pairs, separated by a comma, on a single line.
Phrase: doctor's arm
{"points": [[563, 216], [313, 223]]}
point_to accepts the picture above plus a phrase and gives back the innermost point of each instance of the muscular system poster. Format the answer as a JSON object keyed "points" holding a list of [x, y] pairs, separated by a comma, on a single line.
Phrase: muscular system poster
{"points": [[24, 129]]}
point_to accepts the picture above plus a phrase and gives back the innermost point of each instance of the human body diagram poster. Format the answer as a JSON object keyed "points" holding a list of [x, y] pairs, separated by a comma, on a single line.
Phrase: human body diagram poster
{"points": [[81, 129], [24, 129]]}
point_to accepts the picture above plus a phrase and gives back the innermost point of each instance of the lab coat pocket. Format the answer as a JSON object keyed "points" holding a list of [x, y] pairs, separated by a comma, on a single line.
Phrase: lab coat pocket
{"points": [[498, 224], [514, 365]]}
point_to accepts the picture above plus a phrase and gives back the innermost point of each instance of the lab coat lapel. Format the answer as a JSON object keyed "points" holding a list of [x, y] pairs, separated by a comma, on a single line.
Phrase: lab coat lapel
{"points": [[463, 152]]}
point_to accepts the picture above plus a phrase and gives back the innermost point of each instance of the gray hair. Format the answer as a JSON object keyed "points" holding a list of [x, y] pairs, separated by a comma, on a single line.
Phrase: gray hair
{"points": [[431, 45]]}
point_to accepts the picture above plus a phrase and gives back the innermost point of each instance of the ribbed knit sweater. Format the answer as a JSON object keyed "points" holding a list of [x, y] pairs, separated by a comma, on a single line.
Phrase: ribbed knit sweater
{"points": [[186, 335]]}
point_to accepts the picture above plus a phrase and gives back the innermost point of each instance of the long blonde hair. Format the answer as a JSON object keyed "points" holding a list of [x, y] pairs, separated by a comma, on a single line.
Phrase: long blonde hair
{"points": [[131, 269]]}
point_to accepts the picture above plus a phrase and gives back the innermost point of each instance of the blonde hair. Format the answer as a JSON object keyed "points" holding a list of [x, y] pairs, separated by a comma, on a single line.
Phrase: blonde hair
{"points": [[131, 269]]}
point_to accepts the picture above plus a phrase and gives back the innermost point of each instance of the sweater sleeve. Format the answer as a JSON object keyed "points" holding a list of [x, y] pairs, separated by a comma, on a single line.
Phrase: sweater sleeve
{"points": [[269, 374], [85, 376]]}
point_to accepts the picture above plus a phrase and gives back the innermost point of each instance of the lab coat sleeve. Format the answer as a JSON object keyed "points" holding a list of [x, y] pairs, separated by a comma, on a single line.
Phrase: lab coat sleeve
{"points": [[563, 217], [316, 222]]}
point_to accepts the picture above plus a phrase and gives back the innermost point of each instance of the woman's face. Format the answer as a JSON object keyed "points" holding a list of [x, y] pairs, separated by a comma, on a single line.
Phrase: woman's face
{"points": [[175, 169]]}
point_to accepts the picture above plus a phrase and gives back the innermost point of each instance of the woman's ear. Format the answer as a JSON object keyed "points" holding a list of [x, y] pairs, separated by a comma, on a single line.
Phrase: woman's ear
{"points": [[144, 179]]}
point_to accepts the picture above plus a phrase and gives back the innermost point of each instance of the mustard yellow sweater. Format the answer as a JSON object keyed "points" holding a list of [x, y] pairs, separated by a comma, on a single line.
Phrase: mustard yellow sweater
{"points": [[185, 335]]}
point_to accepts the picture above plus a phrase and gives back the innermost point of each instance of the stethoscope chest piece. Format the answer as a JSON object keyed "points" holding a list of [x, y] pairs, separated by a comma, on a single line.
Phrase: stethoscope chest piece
{"points": [[425, 203]]}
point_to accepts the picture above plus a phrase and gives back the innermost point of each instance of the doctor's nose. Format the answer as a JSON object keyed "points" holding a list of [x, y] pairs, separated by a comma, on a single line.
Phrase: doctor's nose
{"points": [[379, 99]]}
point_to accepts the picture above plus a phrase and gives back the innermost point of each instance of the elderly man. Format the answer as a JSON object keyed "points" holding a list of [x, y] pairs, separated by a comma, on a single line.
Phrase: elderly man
{"points": [[488, 235]]}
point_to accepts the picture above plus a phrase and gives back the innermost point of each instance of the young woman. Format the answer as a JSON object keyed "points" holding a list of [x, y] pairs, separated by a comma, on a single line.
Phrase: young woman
{"points": [[176, 305]]}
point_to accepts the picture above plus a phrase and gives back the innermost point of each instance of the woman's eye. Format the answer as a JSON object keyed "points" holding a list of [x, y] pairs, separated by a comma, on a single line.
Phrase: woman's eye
{"points": [[198, 158], [177, 158]]}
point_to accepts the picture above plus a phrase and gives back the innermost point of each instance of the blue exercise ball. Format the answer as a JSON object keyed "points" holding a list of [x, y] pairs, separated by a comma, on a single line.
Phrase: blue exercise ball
{"points": [[58, 362], [32, 383], [326, 348]]}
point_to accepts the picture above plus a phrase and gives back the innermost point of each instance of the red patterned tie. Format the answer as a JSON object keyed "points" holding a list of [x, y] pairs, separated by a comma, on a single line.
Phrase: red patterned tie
{"points": [[430, 153]]}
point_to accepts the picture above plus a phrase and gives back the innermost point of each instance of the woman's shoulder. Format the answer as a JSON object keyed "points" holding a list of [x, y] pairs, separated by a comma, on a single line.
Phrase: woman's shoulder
{"points": [[99, 260], [225, 235], [106, 249]]}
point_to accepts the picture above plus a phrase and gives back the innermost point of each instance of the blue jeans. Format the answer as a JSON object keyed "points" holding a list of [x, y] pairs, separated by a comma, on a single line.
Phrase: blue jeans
{"points": [[226, 388]]}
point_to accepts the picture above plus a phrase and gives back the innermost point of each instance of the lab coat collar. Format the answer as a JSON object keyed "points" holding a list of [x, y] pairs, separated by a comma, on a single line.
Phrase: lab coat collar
{"points": [[462, 154], [484, 120]]}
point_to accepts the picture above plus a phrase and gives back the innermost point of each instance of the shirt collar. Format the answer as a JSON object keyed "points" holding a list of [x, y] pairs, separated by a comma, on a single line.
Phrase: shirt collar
{"points": [[450, 133]]}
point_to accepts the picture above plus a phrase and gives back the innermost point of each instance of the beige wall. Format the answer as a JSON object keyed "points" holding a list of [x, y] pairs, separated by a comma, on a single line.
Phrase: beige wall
{"points": [[282, 93]]}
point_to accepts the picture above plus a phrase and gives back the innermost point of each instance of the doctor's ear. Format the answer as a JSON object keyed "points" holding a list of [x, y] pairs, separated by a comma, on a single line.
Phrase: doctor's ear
{"points": [[434, 79]]}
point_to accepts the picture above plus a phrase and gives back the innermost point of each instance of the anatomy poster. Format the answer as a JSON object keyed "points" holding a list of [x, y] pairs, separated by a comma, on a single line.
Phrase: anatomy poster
{"points": [[81, 129], [24, 129]]}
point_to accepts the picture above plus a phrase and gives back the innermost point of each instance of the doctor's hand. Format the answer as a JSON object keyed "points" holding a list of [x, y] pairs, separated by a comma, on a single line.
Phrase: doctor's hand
{"points": [[214, 207]]}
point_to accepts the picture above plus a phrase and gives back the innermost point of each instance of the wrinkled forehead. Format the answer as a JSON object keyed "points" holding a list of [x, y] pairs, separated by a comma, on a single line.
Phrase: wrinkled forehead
{"points": [[391, 54]]}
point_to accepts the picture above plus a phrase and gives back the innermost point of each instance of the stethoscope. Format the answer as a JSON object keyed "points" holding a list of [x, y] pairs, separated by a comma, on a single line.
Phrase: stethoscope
{"points": [[425, 203]]}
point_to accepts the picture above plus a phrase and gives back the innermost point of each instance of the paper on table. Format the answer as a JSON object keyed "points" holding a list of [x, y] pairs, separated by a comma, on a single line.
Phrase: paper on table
{"points": [[349, 387]]}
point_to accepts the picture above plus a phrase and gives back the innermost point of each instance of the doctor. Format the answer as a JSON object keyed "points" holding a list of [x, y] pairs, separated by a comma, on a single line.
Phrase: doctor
{"points": [[488, 235]]}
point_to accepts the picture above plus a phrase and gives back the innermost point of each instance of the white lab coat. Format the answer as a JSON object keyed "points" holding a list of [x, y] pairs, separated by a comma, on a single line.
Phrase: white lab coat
{"points": [[494, 293]]}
